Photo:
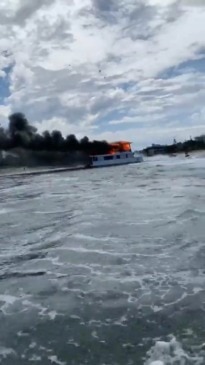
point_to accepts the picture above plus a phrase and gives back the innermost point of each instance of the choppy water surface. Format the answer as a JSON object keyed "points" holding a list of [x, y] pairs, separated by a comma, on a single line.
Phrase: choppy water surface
{"points": [[104, 266]]}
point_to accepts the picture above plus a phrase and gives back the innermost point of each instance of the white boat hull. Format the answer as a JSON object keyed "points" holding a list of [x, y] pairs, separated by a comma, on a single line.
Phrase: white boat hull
{"points": [[117, 159]]}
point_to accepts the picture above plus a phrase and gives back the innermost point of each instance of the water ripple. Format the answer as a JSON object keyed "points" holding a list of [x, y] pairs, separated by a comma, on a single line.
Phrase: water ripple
{"points": [[100, 266]]}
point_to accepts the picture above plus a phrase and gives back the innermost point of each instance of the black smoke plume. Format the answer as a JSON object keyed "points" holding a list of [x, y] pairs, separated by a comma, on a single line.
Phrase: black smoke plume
{"points": [[20, 134]]}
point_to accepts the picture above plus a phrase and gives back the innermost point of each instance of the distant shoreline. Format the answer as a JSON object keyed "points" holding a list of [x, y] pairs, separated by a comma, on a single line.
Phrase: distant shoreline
{"points": [[180, 153], [150, 153]]}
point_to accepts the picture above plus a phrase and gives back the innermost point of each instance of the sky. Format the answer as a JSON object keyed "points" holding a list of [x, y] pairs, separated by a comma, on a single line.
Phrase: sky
{"points": [[107, 69]]}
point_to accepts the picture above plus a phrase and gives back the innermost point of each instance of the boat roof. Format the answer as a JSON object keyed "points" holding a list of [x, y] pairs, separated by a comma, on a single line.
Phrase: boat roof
{"points": [[120, 142]]}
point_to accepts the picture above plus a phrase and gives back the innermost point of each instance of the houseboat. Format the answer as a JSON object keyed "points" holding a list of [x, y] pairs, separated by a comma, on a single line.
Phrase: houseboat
{"points": [[120, 154]]}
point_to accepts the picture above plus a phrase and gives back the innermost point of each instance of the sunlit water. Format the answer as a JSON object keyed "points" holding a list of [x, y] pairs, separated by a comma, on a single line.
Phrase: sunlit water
{"points": [[104, 267]]}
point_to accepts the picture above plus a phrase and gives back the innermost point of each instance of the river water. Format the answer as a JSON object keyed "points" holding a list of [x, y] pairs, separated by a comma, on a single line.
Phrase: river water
{"points": [[104, 267]]}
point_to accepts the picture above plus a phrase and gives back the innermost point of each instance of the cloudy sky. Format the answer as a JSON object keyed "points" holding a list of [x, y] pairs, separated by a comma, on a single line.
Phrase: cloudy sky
{"points": [[108, 69]]}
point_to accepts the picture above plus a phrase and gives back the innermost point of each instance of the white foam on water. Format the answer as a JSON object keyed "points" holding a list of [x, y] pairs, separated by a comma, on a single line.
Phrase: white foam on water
{"points": [[21, 334], [55, 360], [73, 343], [35, 358], [81, 249], [4, 352], [52, 315], [56, 261], [171, 353], [7, 300], [5, 211], [85, 237], [32, 345]]}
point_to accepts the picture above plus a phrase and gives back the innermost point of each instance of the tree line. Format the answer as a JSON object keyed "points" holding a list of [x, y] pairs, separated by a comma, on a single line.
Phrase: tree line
{"points": [[196, 144], [21, 134]]}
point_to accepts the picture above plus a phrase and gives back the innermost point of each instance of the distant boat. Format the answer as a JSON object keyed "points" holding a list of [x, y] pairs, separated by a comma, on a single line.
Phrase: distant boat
{"points": [[120, 154]]}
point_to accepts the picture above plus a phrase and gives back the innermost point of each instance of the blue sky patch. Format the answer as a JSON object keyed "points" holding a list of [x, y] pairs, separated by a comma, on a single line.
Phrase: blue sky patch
{"points": [[4, 84], [197, 65]]}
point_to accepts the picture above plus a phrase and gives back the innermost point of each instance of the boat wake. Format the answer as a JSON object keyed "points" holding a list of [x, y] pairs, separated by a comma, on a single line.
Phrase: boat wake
{"points": [[101, 266], [171, 353]]}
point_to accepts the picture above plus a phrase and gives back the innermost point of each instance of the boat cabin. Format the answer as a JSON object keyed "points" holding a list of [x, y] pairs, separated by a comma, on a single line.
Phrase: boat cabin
{"points": [[120, 154]]}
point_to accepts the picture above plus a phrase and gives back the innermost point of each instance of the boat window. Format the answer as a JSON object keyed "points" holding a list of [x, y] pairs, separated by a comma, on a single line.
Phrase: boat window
{"points": [[95, 159], [118, 156], [108, 157]]}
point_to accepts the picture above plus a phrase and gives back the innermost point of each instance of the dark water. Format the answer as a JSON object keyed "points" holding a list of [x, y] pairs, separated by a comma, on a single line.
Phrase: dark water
{"points": [[105, 266]]}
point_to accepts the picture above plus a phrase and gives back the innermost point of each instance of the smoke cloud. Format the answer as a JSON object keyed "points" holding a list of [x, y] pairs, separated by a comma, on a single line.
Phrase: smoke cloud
{"points": [[20, 134]]}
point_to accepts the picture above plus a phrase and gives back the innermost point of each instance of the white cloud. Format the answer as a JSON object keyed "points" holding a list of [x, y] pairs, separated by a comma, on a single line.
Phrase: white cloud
{"points": [[146, 136], [90, 66], [4, 112]]}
